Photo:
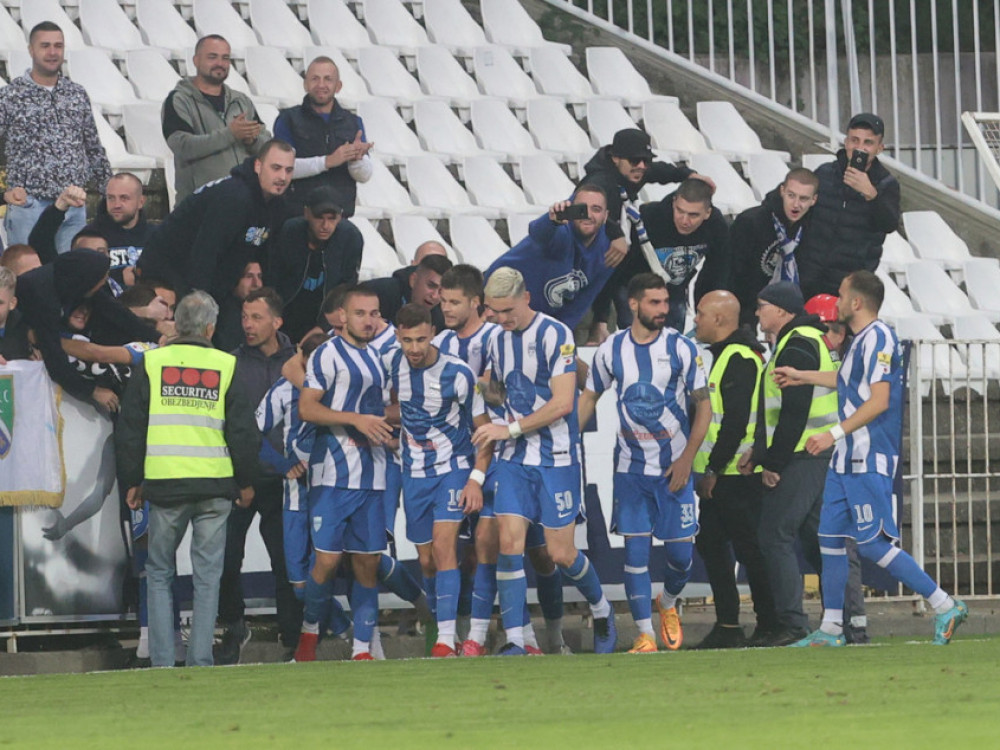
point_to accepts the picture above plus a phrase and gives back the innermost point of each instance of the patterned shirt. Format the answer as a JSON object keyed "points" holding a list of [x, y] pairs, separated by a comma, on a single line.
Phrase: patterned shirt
{"points": [[653, 383]]}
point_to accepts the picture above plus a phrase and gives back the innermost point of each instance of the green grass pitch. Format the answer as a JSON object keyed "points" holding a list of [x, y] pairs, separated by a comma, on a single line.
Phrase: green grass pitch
{"points": [[889, 695]]}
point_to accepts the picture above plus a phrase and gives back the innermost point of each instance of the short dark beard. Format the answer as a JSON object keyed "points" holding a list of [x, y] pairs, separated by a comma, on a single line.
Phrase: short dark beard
{"points": [[649, 324]]}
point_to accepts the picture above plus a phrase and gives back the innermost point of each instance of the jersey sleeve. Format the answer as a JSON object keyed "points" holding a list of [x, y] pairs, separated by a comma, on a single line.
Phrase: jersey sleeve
{"points": [[600, 376], [880, 358], [321, 369], [695, 378], [270, 411], [560, 351]]}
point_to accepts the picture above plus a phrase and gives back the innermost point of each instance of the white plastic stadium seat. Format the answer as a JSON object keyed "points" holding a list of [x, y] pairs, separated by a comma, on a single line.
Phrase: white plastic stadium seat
{"points": [[33, 12], [670, 129], [144, 132], [151, 75], [605, 117], [489, 185], [219, 17], [896, 306], [19, 62], [384, 193], [983, 360], [332, 24], [499, 130], [653, 192], [476, 241], [118, 156], [933, 239], [982, 282], [432, 186], [267, 113], [441, 75], [543, 181], [555, 75], [499, 74], [106, 25], [933, 291], [162, 26], [517, 225], [390, 24], [449, 25], [386, 76], [277, 26], [765, 171], [270, 74], [105, 86], [728, 133], [811, 161], [896, 253], [393, 138], [555, 130], [506, 22], [378, 259], [410, 232], [353, 88], [613, 75], [12, 36], [441, 132], [937, 357], [732, 194]]}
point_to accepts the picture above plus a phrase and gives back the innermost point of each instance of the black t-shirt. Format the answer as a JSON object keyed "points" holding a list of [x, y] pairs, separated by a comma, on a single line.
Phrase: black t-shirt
{"points": [[218, 102], [303, 309]]}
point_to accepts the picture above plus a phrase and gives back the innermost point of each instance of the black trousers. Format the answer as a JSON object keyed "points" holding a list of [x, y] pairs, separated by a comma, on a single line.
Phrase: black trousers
{"points": [[268, 497], [728, 524]]}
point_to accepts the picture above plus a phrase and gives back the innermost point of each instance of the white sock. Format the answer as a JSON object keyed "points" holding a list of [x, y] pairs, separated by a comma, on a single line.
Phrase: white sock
{"points": [[646, 627], [446, 632], [376, 645], [529, 636], [601, 609], [667, 600], [833, 622], [940, 601], [142, 650], [516, 636], [310, 627], [360, 647], [478, 630]]}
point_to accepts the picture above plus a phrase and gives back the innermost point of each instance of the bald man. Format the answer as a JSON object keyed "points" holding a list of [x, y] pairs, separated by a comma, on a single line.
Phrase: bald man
{"points": [[428, 248], [730, 502], [329, 141]]}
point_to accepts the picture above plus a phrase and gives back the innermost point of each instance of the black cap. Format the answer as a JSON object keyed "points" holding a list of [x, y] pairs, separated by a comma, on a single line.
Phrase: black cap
{"points": [[323, 200], [867, 120], [783, 294], [631, 143]]}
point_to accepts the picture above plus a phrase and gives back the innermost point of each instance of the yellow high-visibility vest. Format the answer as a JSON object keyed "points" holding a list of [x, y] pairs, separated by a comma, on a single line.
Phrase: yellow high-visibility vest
{"points": [[715, 398]]}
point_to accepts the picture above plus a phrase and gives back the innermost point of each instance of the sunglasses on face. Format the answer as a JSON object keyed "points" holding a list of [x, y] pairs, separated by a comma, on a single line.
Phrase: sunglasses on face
{"points": [[635, 161]]}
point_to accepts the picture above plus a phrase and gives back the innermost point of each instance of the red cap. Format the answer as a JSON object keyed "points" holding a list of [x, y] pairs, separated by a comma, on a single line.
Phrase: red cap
{"points": [[823, 305]]}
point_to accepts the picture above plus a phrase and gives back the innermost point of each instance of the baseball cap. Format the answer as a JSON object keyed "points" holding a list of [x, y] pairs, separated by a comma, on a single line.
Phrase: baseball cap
{"points": [[823, 305], [867, 120], [783, 294], [323, 200], [631, 142]]}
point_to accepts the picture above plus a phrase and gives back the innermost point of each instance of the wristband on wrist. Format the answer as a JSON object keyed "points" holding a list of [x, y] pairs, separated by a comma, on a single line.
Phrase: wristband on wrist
{"points": [[477, 476], [838, 432], [515, 429]]}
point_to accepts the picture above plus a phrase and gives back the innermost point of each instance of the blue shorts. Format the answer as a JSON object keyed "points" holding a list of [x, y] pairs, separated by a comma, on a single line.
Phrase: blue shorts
{"points": [[645, 505], [298, 549], [346, 520], [858, 506], [430, 500], [393, 489], [549, 495]]}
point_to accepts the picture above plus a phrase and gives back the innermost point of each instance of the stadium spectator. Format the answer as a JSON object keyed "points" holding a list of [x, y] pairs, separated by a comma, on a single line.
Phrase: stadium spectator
{"points": [[420, 284], [47, 295], [20, 259], [206, 242], [855, 211], [763, 239], [229, 332], [730, 502], [621, 169], [258, 367], [676, 234], [664, 415], [186, 442], [329, 141], [313, 254], [404, 274], [210, 128], [563, 262], [51, 140], [13, 330], [792, 476], [866, 438]]}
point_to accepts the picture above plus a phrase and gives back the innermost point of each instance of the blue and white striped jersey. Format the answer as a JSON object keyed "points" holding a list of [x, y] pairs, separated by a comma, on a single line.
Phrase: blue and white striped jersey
{"points": [[653, 383], [352, 380], [472, 350], [436, 406], [280, 406], [875, 356], [386, 341], [525, 362]]}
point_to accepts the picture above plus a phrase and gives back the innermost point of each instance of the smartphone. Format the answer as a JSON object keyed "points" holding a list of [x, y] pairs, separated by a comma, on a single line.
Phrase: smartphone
{"points": [[576, 211], [859, 160]]}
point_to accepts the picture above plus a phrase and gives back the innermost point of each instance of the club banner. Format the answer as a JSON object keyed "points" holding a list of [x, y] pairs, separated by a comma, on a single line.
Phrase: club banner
{"points": [[31, 466]]}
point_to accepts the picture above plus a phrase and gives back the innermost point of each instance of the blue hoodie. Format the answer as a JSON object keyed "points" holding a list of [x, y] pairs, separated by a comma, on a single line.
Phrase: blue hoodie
{"points": [[562, 274]]}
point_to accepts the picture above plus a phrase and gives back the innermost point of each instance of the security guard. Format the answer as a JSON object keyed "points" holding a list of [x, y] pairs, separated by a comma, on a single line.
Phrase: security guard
{"points": [[186, 441], [729, 501], [793, 479]]}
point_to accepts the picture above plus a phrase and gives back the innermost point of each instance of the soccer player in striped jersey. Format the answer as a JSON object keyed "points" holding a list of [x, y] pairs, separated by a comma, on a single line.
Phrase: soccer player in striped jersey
{"points": [[344, 395], [442, 475], [538, 472], [468, 337], [857, 498], [659, 380]]}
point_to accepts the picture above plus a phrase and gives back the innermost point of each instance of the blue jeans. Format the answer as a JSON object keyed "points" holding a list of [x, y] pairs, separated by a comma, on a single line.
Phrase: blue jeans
{"points": [[20, 220], [167, 525]]}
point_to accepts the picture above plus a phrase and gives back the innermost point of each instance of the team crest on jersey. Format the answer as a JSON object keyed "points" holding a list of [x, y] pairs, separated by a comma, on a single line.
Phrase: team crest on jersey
{"points": [[184, 383], [643, 402], [520, 392], [6, 414]]}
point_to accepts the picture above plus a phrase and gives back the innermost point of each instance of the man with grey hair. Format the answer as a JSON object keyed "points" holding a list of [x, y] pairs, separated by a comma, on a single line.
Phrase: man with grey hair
{"points": [[187, 442]]}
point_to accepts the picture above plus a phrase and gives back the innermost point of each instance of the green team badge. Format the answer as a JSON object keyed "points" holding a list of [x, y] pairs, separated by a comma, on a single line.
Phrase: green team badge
{"points": [[6, 414]]}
